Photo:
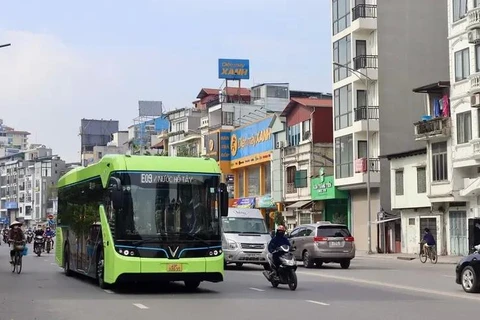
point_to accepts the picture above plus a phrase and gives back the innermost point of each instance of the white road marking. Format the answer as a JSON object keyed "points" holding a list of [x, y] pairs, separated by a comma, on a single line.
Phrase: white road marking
{"points": [[256, 289], [318, 302], [393, 286], [140, 306], [108, 291]]}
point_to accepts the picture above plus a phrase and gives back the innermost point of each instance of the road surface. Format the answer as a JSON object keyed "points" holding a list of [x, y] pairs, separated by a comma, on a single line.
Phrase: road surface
{"points": [[371, 289]]}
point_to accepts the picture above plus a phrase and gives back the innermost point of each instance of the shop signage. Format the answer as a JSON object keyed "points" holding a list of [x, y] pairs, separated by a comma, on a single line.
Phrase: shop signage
{"points": [[323, 188], [233, 69], [224, 146], [11, 205], [244, 203], [211, 144], [252, 139], [265, 202]]}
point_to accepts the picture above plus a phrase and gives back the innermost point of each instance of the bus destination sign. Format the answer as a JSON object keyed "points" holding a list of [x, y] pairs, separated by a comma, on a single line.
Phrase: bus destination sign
{"points": [[147, 178]]}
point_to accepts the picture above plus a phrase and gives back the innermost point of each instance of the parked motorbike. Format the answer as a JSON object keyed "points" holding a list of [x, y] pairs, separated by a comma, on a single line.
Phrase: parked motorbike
{"points": [[49, 244], [285, 272], [29, 236], [38, 245]]}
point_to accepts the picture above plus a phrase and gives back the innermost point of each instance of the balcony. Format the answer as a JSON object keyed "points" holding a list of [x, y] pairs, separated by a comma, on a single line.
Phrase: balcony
{"points": [[291, 187], [365, 62], [360, 113], [473, 19], [364, 18], [474, 83], [361, 165], [433, 128]]}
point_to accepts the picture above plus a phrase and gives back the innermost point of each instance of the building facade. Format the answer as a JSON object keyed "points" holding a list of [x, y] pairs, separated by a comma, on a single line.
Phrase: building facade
{"points": [[184, 138], [364, 37]]}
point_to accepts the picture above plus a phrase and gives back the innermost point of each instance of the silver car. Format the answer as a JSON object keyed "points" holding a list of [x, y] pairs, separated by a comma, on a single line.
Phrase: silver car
{"points": [[323, 242]]}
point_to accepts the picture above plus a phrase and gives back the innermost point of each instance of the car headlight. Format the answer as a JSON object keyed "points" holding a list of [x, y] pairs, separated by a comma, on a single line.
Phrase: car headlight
{"points": [[232, 244]]}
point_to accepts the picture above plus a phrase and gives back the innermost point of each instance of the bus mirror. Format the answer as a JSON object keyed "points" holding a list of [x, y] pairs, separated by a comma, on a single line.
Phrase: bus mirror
{"points": [[223, 199], [115, 183], [116, 198]]}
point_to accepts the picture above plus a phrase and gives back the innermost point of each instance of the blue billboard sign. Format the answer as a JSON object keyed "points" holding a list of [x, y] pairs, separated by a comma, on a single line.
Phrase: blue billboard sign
{"points": [[233, 69], [224, 146], [252, 139], [11, 205]]}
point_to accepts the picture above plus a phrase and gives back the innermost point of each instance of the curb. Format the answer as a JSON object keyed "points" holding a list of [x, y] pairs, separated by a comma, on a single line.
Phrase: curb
{"points": [[404, 259]]}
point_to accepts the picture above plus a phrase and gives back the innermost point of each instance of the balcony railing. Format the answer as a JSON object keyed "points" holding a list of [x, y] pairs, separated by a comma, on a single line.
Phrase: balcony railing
{"points": [[365, 62], [291, 150], [473, 18], [433, 127], [475, 82], [364, 11], [361, 113], [362, 164], [291, 187]]}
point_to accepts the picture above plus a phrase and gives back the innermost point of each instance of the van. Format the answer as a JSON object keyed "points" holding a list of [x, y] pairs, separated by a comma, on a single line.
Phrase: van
{"points": [[245, 237]]}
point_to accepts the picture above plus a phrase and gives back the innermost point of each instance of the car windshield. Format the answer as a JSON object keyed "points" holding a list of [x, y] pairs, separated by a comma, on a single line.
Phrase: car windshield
{"points": [[244, 225], [332, 231], [163, 204]]}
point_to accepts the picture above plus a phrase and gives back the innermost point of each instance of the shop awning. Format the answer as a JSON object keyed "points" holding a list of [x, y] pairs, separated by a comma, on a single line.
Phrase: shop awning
{"points": [[386, 220], [299, 205]]}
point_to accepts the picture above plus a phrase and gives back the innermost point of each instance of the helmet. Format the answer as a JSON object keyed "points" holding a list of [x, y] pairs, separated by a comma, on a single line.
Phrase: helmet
{"points": [[15, 223]]}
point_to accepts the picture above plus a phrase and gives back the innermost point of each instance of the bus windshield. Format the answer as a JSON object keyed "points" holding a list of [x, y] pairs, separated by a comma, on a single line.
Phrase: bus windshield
{"points": [[162, 204]]}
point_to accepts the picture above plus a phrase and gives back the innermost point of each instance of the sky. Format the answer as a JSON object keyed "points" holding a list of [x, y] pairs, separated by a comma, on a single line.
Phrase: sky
{"points": [[96, 58]]}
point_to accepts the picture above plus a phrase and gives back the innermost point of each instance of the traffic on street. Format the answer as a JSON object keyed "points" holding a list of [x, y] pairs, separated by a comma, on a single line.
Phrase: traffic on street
{"points": [[373, 287]]}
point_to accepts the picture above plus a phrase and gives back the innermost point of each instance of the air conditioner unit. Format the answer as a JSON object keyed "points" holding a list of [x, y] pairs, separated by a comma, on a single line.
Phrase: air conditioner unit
{"points": [[474, 36], [475, 100], [279, 145]]}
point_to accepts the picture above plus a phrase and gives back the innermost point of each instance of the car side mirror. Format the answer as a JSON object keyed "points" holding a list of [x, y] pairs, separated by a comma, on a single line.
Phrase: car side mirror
{"points": [[116, 194], [223, 199]]}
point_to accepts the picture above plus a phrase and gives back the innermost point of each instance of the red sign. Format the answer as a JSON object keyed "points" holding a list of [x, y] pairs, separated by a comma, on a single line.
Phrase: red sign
{"points": [[361, 165]]}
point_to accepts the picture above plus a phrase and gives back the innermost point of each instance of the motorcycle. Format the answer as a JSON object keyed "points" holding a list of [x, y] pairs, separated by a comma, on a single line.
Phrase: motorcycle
{"points": [[49, 243], [285, 272], [38, 245], [29, 237]]}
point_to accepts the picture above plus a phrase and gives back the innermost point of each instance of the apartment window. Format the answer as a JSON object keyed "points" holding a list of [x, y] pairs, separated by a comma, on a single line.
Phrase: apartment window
{"points": [[464, 127], [240, 186], [361, 149], [399, 182], [179, 126], [306, 130], [477, 56], [301, 179], [227, 118], [253, 181], [459, 9], [340, 15], [476, 3], [344, 156], [343, 107], [439, 161], [277, 92], [342, 55], [462, 64], [293, 135], [421, 180], [268, 178]]}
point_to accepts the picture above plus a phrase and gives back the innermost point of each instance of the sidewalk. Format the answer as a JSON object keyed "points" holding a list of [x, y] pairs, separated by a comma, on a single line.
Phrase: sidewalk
{"points": [[406, 257]]}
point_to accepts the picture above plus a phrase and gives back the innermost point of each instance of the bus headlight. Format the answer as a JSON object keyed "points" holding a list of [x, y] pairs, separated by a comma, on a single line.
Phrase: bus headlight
{"points": [[127, 252], [214, 253]]}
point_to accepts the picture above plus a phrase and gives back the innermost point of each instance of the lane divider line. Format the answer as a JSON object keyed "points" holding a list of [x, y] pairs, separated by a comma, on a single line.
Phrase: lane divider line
{"points": [[140, 306], [256, 289], [318, 302]]}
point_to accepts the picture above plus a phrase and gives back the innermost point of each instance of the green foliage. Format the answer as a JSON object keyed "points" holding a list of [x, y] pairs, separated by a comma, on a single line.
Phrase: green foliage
{"points": [[278, 218]]}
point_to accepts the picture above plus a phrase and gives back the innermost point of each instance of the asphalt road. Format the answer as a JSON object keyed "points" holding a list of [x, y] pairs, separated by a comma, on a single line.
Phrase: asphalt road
{"points": [[371, 289]]}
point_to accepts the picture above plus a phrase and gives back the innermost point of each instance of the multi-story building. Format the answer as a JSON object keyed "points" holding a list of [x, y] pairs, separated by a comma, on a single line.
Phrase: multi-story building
{"points": [[11, 140], [378, 59], [118, 145], [184, 138], [306, 147], [28, 185]]}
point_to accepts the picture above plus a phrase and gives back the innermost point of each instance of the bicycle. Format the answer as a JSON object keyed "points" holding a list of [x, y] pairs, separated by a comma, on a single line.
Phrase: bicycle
{"points": [[17, 257], [430, 254]]}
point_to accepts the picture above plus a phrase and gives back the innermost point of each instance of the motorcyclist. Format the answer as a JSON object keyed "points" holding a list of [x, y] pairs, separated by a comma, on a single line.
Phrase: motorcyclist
{"points": [[48, 232], [277, 241], [15, 235], [38, 232]]}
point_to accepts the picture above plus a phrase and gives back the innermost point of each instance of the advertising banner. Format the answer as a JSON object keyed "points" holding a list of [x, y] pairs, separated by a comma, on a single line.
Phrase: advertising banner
{"points": [[233, 69]]}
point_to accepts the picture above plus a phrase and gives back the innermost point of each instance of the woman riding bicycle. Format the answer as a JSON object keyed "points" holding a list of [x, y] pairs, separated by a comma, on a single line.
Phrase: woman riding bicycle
{"points": [[15, 236], [428, 239]]}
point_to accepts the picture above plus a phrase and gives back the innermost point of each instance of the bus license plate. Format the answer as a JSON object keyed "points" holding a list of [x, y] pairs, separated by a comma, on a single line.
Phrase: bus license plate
{"points": [[175, 267]]}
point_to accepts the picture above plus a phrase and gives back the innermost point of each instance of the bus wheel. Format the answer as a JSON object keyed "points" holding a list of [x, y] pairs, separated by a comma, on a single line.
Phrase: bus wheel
{"points": [[192, 285], [101, 271], [66, 263]]}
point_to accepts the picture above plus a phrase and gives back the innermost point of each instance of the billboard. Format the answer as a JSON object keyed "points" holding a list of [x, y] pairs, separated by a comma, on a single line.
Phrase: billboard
{"points": [[224, 146], [252, 139], [211, 144], [150, 108], [96, 133], [233, 69]]}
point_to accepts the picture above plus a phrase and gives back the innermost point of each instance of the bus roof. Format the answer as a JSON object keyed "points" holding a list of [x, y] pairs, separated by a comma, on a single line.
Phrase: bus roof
{"points": [[117, 162]]}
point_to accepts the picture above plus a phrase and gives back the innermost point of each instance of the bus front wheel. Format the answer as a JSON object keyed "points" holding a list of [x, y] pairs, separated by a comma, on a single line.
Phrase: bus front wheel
{"points": [[192, 285], [101, 271]]}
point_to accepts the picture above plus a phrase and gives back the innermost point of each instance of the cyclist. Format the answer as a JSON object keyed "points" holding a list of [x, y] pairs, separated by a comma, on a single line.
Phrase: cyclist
{"points": [[15, 235], [428, 239]]}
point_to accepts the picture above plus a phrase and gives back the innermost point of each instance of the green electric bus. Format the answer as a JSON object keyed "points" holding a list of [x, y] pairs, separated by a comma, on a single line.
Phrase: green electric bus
{"points": [[142, 218]]}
